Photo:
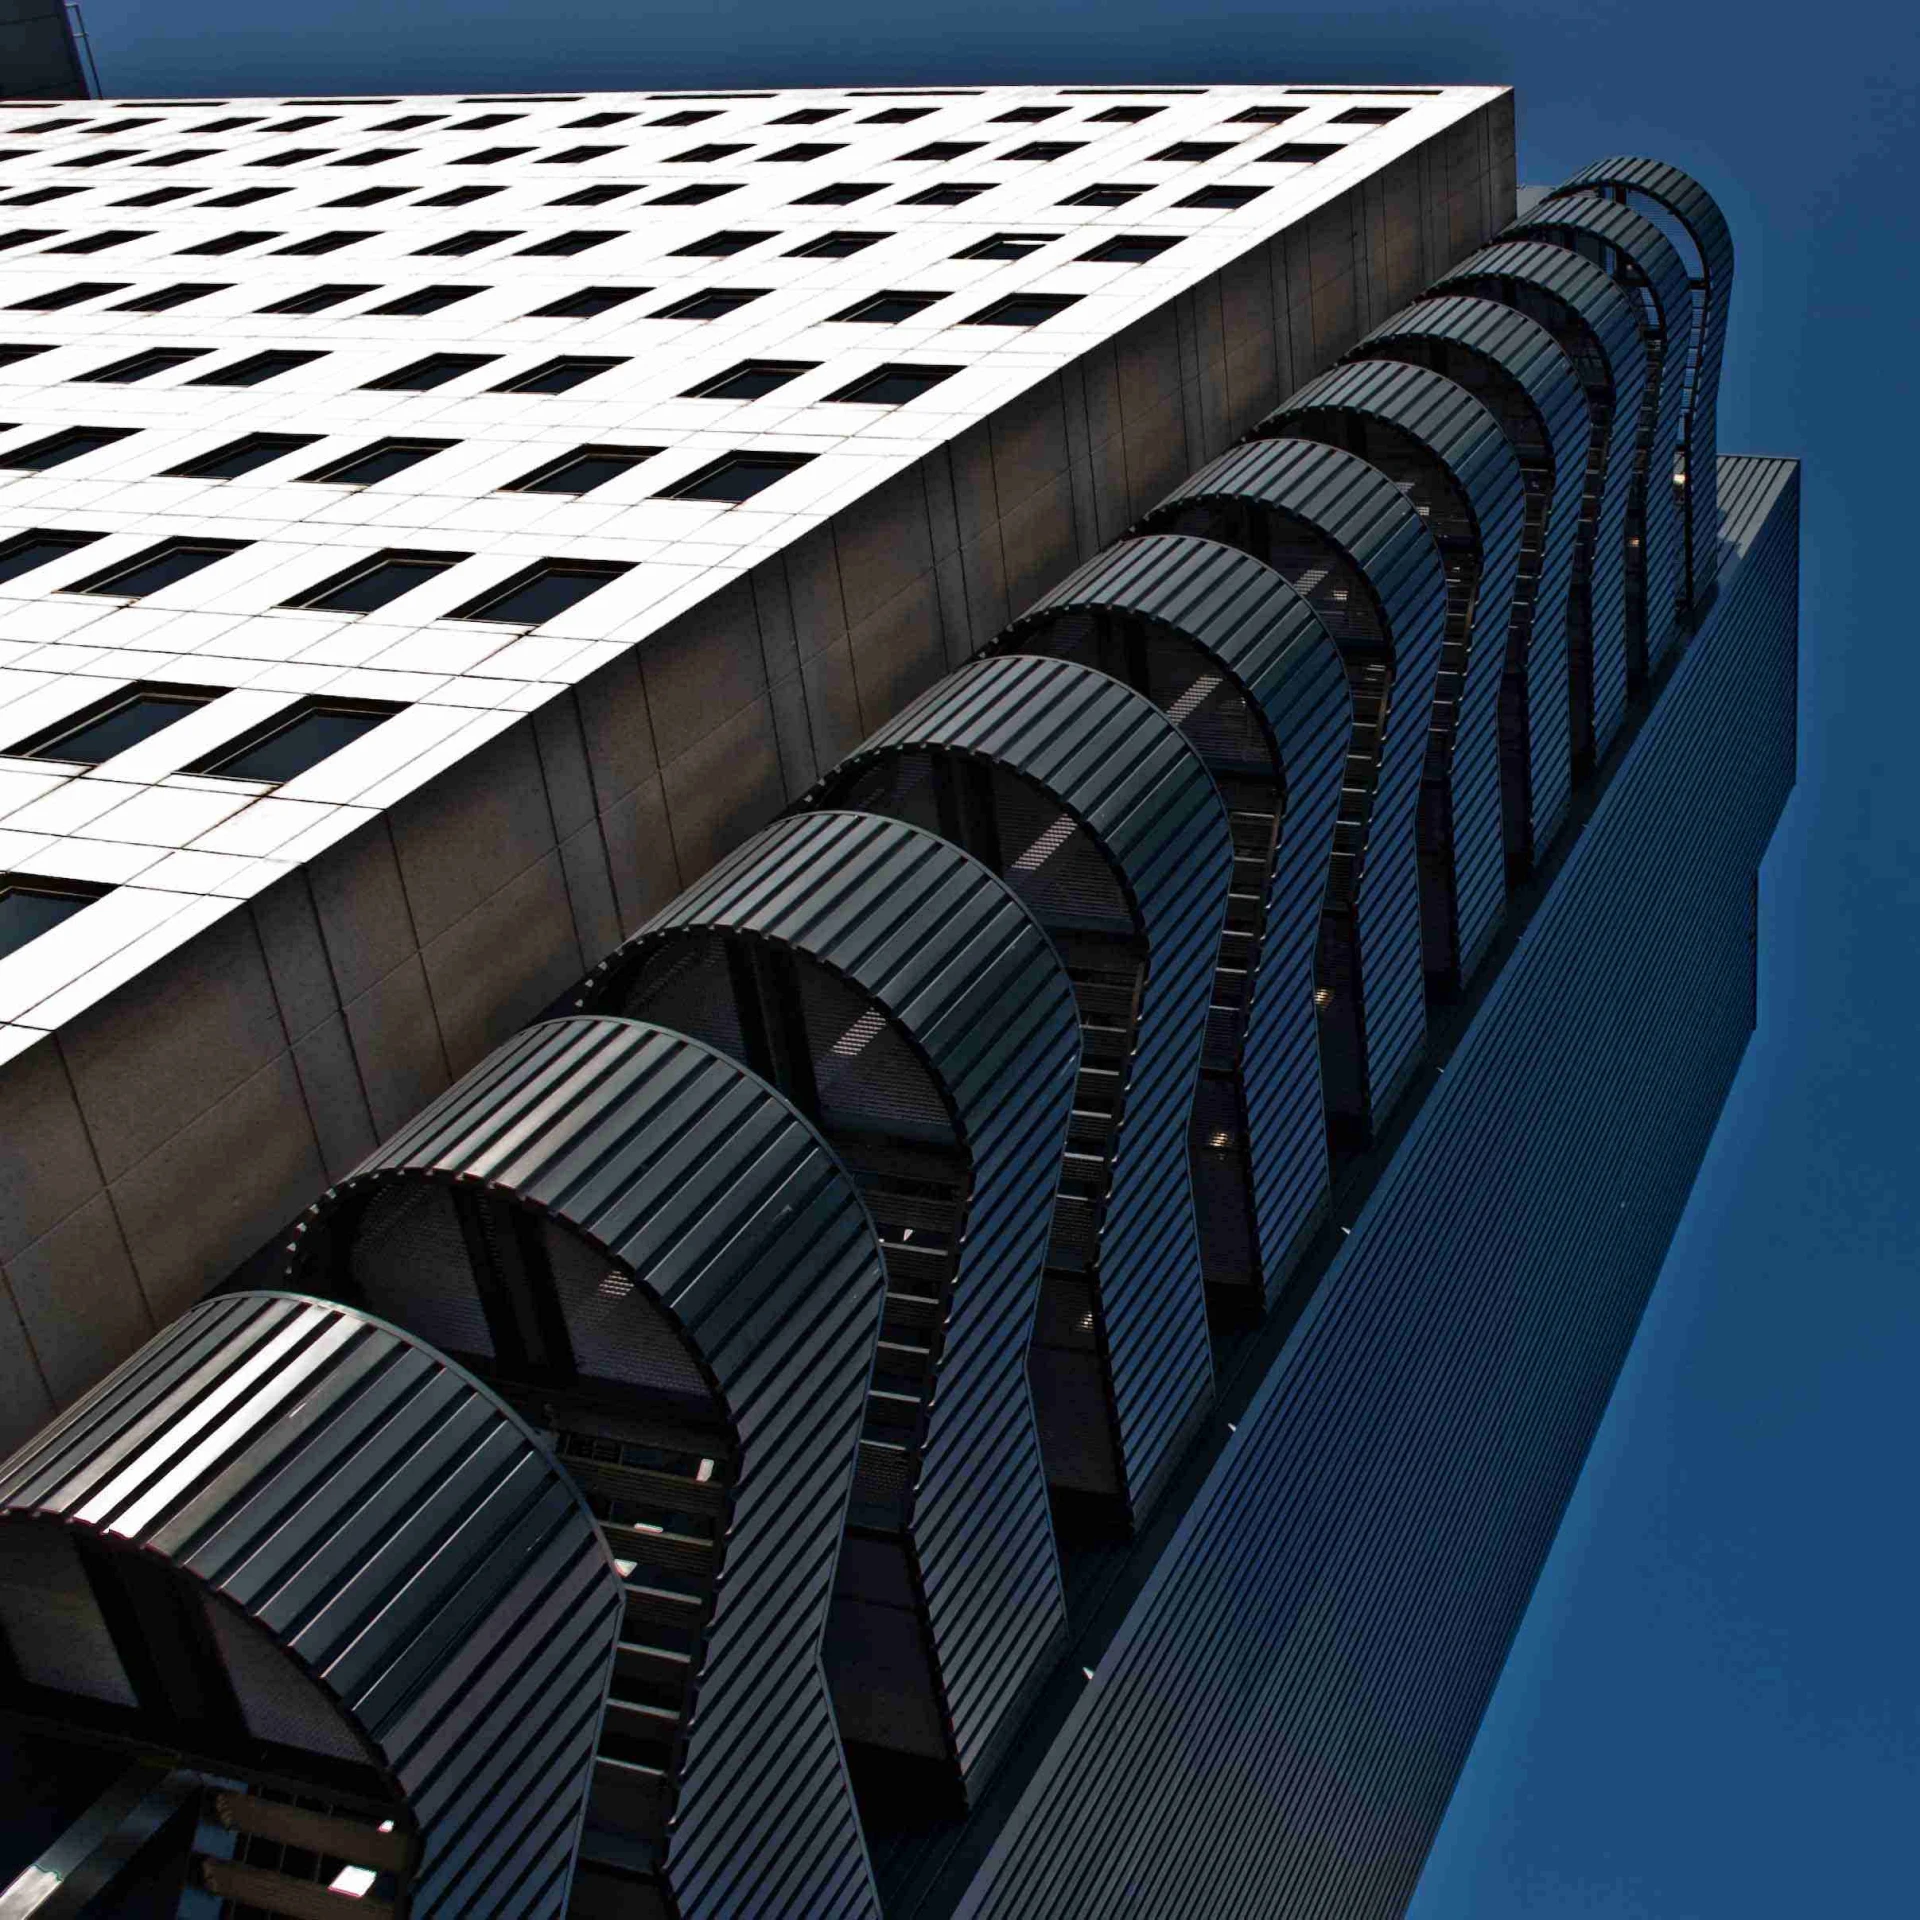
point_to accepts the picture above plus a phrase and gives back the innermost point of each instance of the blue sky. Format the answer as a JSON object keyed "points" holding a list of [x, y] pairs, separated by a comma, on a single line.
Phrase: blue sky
{"points": [[1714, 1705]]}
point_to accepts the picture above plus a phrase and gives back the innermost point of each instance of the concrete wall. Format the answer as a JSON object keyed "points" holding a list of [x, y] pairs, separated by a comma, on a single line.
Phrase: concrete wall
{"points": [[176, 1126]]}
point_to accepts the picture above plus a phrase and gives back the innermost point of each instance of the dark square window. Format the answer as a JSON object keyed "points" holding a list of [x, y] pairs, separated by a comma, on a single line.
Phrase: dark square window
{"points": [[1195, 150], [541, 591], [227, 125], [36, 547], [835, 246], [245, 197], [731, 240], [595, 196], [56, 449], [26, 236], [231, 242], [889, 309], [480, 122], [298, 740], [69, 296], [143, 366], [714, 150], [1220, 198], [576, 156], [1305, 151], [100, 242], [562, 245], [804, 150], [1367, 116], [689, 117], [291, 157], [559, 375], [160, 566], [944, 150], [104, 157], [9, 356], [459, 196], [1022, 310], [381, 461], [114, 724], [599, 120], [318, 299], [1130, 249], [161, 299], [894, 386], [1045, 150], [711, 304], [586, 302], [158, 197], [425, 300], [1104, 195], [736, 476], [895, 116], [489, 156], [406, 122], [434, 371], [749, 380], [255, 369], [243, 456], [697, 194], [951, 194], [30, 906], [842, 193], [1266, 116], [368, 197], [1006, 246], [40, 196], [370, 584], [372, 156], [317, 243], [301, 122], [807, 117], [1028, 114], [462, 243], [581, 470], [1126, 114]]}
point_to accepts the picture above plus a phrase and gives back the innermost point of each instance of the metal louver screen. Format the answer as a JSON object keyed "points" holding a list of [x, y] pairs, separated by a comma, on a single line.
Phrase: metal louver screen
{"points": [[411, 1263], [51, 1623], [1052, 862], [618, 1333], [867, 1075], [685, 985], [278, 1701]]}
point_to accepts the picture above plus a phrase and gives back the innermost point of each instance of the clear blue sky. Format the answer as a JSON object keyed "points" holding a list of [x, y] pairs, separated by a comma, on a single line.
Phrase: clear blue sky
{"points": [[1714, 1706]]}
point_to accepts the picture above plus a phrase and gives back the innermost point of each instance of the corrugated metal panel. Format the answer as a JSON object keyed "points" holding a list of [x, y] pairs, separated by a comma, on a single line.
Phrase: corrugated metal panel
{"points": [[1221, 615], [1470, 492], [1649, 270], [1598, 329], [382, 1546], [1278, 1726], [1107, 758], [1521, 373], [1690, 203], [693, 1180], [1347, 538], [953, 964]]}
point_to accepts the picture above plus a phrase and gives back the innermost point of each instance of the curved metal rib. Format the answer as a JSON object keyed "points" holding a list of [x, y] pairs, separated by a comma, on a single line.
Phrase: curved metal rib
{"points": [[1093, 808], [1448, 454], [649, 1245], [293, 1546], [906, 1002], [1241, 664], [1346, 538]]}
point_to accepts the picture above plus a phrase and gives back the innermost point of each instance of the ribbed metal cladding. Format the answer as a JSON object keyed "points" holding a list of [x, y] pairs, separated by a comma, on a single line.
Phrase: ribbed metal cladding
{"points": [[1598, 329], [1243, 623], [1111, 760], [1647, 267], [375, 1536], [1390, 633], [961, 970], [1516, 366], [1478, 526], [1689, 202], [702, 1185], [1279, 1725]]}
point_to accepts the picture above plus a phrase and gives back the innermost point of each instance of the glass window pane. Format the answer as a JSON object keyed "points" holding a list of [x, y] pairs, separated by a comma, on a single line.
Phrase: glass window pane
{"points": [[25, 915], [119, 728], [302, 743]]}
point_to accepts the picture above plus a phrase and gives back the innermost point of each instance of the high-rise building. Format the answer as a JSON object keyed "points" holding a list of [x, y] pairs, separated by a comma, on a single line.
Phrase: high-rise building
{"points": [[858, 953]]}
